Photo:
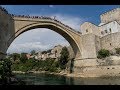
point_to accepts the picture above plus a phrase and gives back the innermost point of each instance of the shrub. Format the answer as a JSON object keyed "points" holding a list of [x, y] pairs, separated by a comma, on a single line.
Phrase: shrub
{"points": [[64, 58], [117, 50], [103, 53], [5, 70]]}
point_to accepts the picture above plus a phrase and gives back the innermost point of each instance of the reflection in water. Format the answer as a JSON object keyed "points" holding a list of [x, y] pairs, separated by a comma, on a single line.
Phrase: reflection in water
{"points": [[47, 79]]}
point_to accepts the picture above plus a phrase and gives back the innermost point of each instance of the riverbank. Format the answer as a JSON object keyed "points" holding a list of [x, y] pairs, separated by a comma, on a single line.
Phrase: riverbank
{"points": [[62, 73], [39, 72]]}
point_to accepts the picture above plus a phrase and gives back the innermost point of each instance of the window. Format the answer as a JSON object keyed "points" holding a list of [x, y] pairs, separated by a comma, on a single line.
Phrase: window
{"points": [[110, 29], [110, 44], [113, 68], [86, 30], [102, 32], [106, 31]]}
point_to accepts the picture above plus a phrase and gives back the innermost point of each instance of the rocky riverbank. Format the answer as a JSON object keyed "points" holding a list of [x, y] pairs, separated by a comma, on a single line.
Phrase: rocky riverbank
{"points": [[63, 73]]}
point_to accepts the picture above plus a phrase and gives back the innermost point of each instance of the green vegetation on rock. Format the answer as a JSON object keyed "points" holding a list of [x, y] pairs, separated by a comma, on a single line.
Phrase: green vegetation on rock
{"points": [[103, 53]]}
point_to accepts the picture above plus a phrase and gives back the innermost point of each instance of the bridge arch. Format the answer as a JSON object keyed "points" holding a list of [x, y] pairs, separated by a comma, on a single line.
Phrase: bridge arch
{"points": [[52, 26]]}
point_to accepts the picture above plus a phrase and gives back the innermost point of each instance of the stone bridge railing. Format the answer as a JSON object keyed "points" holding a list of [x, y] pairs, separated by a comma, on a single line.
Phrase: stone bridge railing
{"points": [[41, 17], [47, 18], [3, 9]]}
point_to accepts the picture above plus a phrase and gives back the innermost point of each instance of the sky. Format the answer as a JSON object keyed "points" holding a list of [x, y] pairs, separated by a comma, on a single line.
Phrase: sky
{"points": [[41, 39]]}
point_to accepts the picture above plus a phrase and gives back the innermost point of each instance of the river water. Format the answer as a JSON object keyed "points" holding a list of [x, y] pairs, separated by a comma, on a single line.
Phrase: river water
{"points": [[48, 79]]}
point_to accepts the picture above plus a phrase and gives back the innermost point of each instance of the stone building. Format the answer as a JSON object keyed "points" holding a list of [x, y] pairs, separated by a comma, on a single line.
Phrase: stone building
{"points": [[110, 23], [106, 35], [54, 53], [102, 36]]}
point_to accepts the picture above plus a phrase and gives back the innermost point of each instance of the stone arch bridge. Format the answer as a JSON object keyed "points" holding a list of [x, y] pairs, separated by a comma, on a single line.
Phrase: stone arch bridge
{"points": [[11, 26]]}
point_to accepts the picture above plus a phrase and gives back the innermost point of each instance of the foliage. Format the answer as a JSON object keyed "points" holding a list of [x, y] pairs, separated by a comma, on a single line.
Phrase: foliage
{"points": [[49, 64], [44, 52], [31, 64], [117, 50], [64, 58], [49, 51], [23, 57], [15, 56], [103, 53], [5, 70], [32, 52]]}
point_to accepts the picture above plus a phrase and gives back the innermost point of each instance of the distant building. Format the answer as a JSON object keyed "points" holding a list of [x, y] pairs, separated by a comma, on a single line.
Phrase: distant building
{"points": [[110, 23], [54, 53]]}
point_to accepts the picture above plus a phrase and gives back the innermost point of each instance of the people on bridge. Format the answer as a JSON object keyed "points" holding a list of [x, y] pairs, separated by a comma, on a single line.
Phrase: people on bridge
{"points": [[3, 9]]}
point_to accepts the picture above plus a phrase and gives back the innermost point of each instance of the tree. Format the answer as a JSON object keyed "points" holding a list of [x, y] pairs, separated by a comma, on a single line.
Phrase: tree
{"points": [[32, 52], [64, 57], [23, 57], [5, 70], [44, 52], [15, 56], [103, 53]]}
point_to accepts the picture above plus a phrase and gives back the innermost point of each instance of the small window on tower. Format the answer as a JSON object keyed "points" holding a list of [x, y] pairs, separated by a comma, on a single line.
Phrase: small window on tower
{"points": [[102, 32], [86, 30], [106, 31], [110, 29], [110, 44]]}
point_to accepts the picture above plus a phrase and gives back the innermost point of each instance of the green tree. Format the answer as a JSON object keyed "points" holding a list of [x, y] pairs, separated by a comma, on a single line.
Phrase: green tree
{"points": [[44, 52], [16, 56], [103, 53], [5, 70], [32, 52], [64, 57], [23, 57]]}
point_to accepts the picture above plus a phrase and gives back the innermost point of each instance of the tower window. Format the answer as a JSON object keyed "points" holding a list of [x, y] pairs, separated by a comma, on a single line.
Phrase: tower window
{"points": [[110, 44], [106, 31], [102, 32], [110, 29], [86, 30]]}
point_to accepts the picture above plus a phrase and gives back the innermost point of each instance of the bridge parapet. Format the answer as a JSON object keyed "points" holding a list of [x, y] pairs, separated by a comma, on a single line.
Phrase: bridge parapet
{"points": [[43, 18], [4, 10]]}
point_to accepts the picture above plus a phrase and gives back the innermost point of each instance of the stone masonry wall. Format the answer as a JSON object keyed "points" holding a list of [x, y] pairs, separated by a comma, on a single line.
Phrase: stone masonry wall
{"points": [[87, 28], [89, 46], [111, 41], [111, 16], [6, 28]]}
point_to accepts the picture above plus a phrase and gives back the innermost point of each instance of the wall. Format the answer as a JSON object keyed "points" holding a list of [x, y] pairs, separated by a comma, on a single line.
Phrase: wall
{"points": [[91, 28], [111, 41], [111, 16], [90, 46], [114, 26], [6, 29], [100, 71]]}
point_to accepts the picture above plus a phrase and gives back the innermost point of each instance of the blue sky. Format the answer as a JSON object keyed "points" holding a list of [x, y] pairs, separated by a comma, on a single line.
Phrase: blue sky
{"points": [[42, 39]]}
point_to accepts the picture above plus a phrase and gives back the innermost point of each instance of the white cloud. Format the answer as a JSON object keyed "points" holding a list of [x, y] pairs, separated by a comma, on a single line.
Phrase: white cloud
{"points": [[51, 6], [41, 38], [71, 21], [27, 47]]}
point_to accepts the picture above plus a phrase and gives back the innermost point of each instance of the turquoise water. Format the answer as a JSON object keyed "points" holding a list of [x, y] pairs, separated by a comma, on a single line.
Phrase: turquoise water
{"points": [[48, 79]]}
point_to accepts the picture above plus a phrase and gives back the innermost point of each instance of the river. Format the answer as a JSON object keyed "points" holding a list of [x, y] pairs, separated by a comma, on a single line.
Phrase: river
{"points": [[48, 79]]}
